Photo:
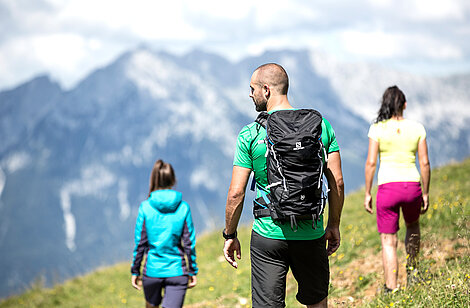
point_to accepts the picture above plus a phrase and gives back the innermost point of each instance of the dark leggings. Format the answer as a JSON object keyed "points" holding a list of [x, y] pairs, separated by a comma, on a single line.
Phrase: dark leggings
{"points": [[175, 290]]}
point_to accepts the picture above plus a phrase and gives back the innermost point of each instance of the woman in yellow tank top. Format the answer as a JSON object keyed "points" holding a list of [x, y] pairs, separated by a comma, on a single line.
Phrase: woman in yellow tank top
{"points": [[397, 141]]}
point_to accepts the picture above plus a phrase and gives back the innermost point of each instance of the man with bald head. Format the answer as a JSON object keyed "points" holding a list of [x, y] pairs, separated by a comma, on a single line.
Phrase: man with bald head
{"points": [[275, 245], [273, 75]]}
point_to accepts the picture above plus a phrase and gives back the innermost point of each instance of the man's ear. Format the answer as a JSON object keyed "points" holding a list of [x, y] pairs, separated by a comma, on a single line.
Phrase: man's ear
{"points": [[266, 91]]}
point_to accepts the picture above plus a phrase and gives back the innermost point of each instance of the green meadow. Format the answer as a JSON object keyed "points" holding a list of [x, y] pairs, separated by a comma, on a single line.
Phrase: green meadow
{"points": [[356, 268]]}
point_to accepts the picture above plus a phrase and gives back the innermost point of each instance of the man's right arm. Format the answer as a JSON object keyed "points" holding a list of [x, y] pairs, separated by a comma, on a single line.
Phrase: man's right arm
{"points": [[334, 175], [233, 211]]}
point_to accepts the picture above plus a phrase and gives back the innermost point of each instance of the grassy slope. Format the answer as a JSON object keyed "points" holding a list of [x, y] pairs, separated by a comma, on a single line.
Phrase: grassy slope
{"points": [[356, 269]]}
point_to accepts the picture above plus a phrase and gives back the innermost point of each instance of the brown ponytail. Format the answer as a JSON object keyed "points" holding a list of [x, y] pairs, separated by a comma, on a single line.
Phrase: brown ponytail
{"points": [[393, 101], [162, 176]]}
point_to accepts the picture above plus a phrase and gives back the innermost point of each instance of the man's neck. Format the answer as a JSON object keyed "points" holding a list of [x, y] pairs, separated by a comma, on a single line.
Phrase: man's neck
{"points": [[278, 103]]}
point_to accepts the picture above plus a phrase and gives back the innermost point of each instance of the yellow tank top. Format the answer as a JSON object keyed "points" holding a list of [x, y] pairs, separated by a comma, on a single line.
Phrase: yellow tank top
{"points": [[398, 143]]}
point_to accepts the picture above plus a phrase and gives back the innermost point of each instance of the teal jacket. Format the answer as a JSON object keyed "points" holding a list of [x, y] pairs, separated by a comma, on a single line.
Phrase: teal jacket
{"points": [[165, 231]]}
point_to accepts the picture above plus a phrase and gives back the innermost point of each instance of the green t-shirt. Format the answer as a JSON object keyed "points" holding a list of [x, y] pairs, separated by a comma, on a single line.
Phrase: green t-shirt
{"points": [[251, 154]]}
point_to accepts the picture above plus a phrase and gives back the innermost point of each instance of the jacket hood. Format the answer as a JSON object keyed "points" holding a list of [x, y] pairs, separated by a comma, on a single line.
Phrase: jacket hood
{"points": [[165, 201]]}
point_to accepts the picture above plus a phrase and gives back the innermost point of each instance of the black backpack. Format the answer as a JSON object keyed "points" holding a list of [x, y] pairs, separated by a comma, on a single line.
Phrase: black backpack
{"points": [[295, 166]]}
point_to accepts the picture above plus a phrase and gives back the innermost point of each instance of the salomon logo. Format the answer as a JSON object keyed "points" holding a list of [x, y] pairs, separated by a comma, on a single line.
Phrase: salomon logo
{"points": [[298, 146]]}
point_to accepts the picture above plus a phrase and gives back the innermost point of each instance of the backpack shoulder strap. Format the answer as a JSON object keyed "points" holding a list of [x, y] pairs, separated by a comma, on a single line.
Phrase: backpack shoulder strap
{"points": [[315, 112], [262, 118]]}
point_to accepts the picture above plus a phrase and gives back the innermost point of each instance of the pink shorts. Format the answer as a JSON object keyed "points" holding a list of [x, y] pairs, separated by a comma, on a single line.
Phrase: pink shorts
{"points": [[392, 196]]}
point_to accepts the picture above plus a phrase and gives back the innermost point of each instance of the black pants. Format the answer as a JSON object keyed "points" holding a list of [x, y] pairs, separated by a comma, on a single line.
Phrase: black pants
{"points": [[175, 290], [270, 262]]}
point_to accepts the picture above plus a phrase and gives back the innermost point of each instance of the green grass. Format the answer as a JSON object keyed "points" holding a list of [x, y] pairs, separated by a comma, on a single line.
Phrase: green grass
{"points": [[447, 286], [445, 249], [356, 268]]}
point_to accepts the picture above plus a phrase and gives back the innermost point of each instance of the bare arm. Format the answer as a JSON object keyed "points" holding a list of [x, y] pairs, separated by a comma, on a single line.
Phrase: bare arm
{"points": [[235, 198], [334, 175], [233, 210], [371, 164], [425, 169]]}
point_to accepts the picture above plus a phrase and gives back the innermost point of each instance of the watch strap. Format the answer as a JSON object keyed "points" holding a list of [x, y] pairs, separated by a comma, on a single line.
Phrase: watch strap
{"points": [[229, 236]]}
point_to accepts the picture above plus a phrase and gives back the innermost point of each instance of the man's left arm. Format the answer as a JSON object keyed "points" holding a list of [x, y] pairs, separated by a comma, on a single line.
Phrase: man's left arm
{"points": [[334, 175]]}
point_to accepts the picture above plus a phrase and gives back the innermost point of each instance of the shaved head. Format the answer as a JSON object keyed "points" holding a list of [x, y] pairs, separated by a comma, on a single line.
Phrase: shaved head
{"points": [[273, 75]]}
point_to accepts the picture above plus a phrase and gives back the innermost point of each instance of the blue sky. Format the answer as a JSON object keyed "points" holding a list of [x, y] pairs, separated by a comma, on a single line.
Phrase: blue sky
{"points": [[69, 38]]}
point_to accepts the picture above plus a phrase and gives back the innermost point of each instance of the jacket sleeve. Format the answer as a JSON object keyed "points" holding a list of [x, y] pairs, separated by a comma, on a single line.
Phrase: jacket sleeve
{"points": [[141, 242], [189, 243]]}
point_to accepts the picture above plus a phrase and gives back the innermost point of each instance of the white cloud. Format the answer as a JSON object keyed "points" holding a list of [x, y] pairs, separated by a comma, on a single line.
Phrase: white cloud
{"points": [[56, 50], [430, 10], [379, 44], [381, 3], [146, 20], [66, 56], [70, 38], [373, 44], [233, 10], [424, 10]]}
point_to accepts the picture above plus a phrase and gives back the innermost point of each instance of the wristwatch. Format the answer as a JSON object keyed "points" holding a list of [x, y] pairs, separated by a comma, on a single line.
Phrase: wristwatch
{"points": [[229, 236]]}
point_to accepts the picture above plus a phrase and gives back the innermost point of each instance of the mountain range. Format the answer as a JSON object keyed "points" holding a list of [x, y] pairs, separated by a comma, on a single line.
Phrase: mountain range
{"points": [[75, 163]]}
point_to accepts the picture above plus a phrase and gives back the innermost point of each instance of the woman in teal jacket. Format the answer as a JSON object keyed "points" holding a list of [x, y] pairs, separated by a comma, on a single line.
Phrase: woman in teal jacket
{"points": [[165, 231]]}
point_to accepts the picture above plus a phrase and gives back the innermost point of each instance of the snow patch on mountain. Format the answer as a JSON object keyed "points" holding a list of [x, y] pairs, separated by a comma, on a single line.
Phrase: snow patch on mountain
{"points": [[202, 177], [241, 101], [204, 211], [149, 73], [157, 138], [204, 117], [124, 206], [3, 179], [124, 156], [206, 121], [94, 180], [143, 151], [290, 64], [16, 161], [69, 219]]}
